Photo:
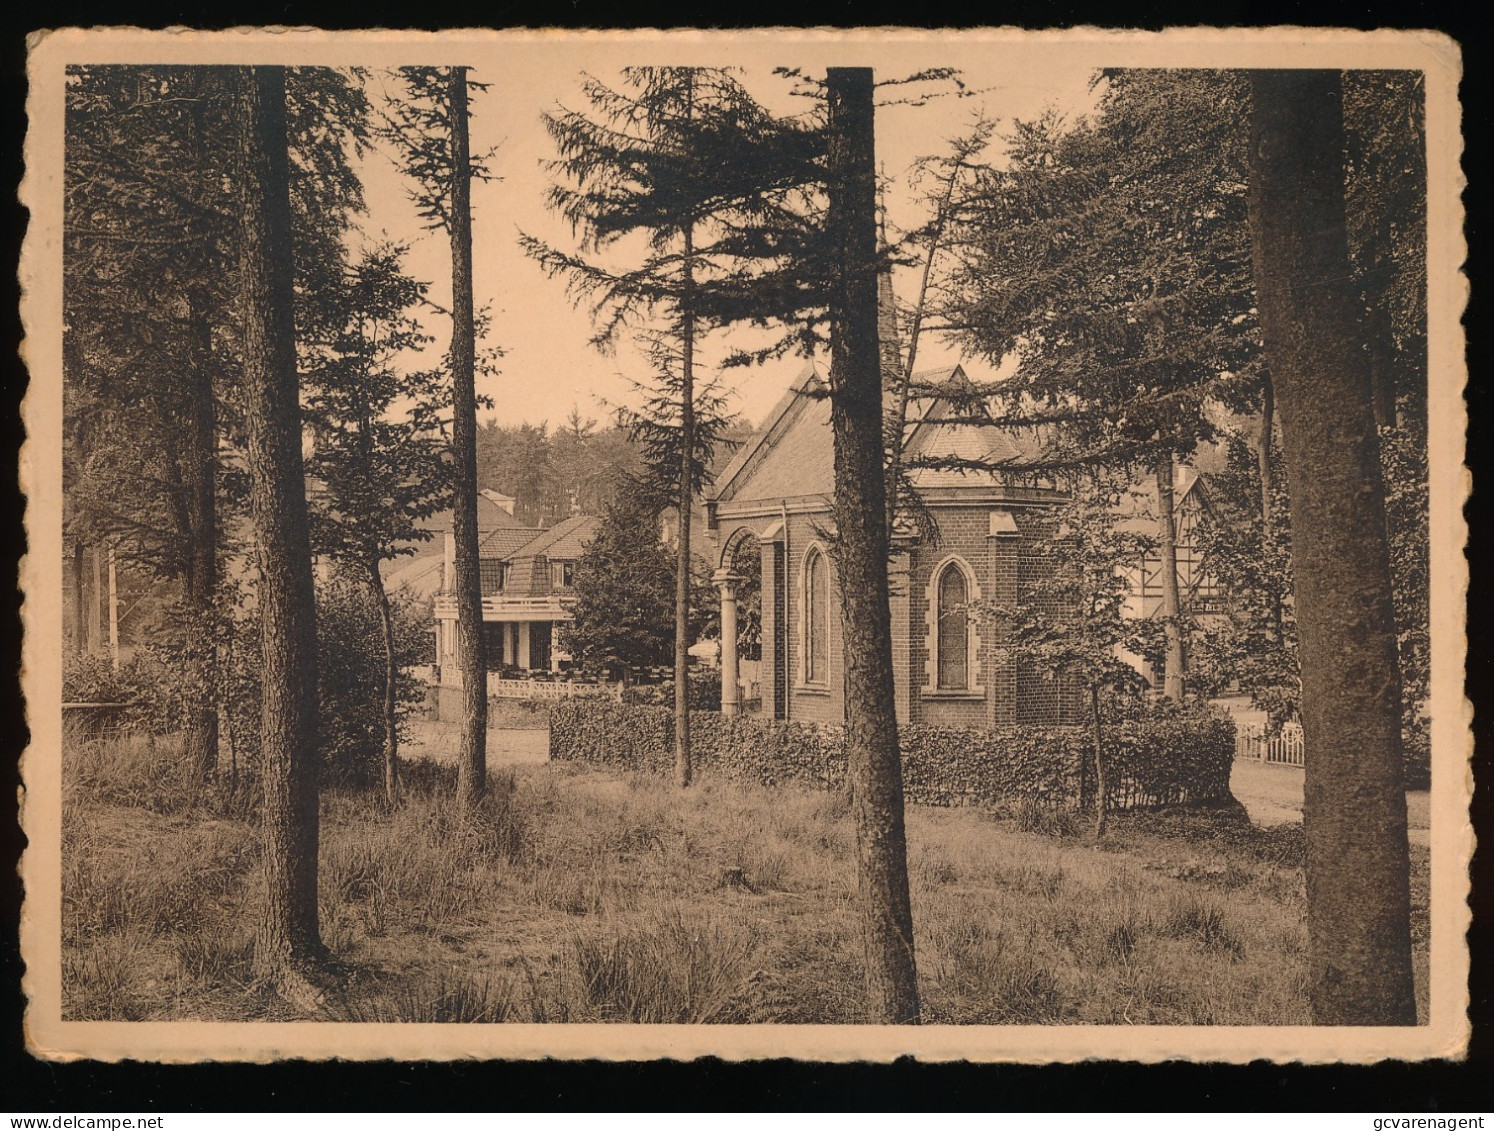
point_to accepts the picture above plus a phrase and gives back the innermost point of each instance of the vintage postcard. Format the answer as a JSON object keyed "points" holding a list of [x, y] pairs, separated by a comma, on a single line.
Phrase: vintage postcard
{"points": [[827, 544]]}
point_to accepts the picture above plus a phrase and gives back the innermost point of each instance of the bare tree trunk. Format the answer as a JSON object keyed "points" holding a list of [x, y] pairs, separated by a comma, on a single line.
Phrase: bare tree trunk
{"points": [[861, 549], [683, 770], [1354, 811], [1263, 453], [472, 757], [1101, 810], [80, 623], [915, 331], [96, 600], [199, 465], [290, 944], [1172, 605], [391, 675], [1268, 488]]}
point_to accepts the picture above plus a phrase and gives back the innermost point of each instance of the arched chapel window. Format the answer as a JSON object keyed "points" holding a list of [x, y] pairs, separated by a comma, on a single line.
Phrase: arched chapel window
{"points": [[816, 618], [954, 639]]}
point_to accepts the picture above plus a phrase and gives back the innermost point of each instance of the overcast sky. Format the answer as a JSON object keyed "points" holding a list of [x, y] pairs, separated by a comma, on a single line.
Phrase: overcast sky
{"points": [[548, 365]]}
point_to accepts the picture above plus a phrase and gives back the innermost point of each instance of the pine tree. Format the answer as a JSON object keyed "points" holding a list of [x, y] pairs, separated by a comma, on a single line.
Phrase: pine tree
{"points": [[861, 547], [380, 456], [151, 372], [429, 128], [623, 611], [290, 945], [686, 158]]}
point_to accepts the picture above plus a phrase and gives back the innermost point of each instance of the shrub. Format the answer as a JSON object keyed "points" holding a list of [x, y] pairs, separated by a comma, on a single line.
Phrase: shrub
{"points": [[1165, 757], [705, 692], [350, 650], [149, 685]]}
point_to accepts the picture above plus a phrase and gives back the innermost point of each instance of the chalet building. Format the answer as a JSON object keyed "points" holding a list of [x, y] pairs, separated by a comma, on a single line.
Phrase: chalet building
{"points": [[1198, 590], [527, 577], [422, 568]]}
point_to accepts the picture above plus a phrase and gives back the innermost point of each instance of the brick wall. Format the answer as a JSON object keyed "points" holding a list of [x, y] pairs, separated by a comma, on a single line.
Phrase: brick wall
{"points": [[999, 567], [963, 532], [1041, 701]]}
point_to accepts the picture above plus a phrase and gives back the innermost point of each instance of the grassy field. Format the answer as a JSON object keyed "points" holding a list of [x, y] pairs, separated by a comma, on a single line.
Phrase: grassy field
{"points": [[579, 896]]}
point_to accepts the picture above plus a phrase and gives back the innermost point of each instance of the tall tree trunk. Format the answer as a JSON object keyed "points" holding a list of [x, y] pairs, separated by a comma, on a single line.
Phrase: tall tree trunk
{"points": [[1382, 353], [472, 757], [391, 675], [1263, 453], [683, 771], [96, 600], [290, 942], [1172, 605], [199, 465], [1268, 489], [861, 549], [1101, 808], [1354, 810], [80, 623]]}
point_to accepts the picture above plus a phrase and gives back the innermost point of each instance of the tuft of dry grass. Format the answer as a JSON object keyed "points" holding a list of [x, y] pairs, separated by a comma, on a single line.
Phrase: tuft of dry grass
{"points": [[587, 896], [670, 970]]}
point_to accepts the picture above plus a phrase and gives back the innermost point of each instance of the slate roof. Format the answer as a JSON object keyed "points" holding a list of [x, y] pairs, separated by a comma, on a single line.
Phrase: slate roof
{"points": [[505, 541], [932, 435], [422, 576], [490, 516], [793, 454], [562, 542]]}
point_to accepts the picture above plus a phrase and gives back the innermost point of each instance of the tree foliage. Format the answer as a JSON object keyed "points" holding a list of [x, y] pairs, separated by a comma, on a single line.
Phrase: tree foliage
{"points": [[152, 353], [1249, 644], [149, 260], [1110, 258], [380, 461], [623, 611], [675, 150], [352, 671], [1071, 622]]}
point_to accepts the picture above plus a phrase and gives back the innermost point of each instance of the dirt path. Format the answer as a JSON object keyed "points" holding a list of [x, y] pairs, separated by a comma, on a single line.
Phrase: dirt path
{"points": [[1272, 795], [506, 747]]}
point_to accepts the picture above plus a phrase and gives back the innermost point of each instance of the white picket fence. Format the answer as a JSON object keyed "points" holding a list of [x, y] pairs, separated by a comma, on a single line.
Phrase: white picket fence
{"points": [[1255, 742]]}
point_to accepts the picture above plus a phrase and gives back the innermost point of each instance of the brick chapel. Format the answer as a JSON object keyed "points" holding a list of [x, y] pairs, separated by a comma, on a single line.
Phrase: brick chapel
{"points": [[767, 518]]}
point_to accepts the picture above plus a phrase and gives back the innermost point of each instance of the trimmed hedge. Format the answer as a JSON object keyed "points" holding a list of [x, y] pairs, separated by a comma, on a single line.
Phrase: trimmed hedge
{"points": [[1169, 756]]}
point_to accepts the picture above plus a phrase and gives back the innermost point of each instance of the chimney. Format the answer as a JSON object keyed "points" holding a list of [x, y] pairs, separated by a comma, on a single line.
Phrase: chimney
{"points": [[502, 502]]}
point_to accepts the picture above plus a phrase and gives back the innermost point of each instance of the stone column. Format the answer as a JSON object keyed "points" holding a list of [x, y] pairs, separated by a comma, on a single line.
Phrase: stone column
{"points": [[731, 691]]}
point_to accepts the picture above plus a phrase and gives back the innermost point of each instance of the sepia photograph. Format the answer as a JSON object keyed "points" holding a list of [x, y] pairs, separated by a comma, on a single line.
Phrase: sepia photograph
{"points": [[818, 544]]}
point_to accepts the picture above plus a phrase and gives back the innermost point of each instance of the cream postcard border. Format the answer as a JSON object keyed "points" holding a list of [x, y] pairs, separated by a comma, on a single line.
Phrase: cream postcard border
{"points": [[890, 51]]}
